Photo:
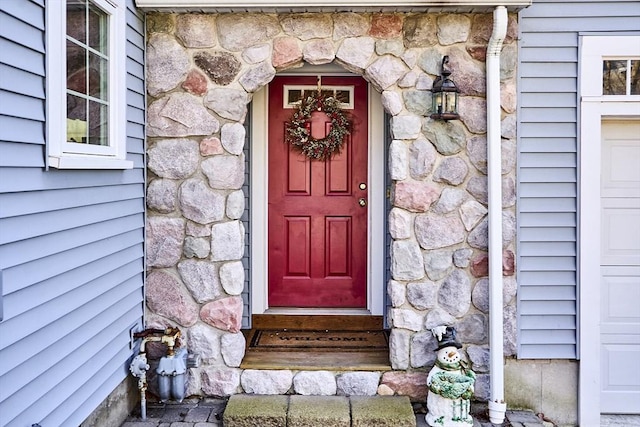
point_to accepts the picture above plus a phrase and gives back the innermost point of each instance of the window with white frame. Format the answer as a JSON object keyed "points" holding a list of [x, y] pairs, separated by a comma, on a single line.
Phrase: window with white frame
{"points": [[621, 76], [86, 84]]}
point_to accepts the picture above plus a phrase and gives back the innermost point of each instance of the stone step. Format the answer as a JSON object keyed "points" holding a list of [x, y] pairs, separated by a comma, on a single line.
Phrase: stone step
{"points": [[312, 411]]}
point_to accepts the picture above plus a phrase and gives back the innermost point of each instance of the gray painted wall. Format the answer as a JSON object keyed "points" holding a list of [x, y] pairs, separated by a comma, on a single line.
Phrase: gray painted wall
{"points": [[548, 166], [71, 242]]}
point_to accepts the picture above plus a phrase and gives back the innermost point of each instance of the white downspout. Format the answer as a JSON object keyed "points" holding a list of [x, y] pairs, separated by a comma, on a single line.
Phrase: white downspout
{"points": [[497, 405]]}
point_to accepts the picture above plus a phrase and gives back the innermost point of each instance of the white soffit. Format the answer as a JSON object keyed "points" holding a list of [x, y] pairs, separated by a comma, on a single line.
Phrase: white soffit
{"points": [[270, 6]]}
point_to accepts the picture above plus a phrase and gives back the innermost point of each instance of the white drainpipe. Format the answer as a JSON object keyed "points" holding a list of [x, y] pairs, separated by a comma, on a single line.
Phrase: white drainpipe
{"points": [[497, 405]]}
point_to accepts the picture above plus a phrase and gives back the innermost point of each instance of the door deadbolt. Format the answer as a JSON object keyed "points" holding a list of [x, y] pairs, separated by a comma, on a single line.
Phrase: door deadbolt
{"points": [[362, 202]]}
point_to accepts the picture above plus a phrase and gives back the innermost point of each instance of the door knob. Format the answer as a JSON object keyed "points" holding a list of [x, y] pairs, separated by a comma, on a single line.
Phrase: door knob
{"points": [[362, 202], [363, 186]]}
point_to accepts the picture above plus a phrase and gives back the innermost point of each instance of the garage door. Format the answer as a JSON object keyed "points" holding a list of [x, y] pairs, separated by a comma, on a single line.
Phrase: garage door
{"points": [[620, 267]]}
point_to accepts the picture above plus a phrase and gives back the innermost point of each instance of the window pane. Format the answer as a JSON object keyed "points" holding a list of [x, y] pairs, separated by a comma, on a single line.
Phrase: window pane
{"points": [[76, 20], [98, 29], [343, 96], [293, 96], [614, 78], [98, 72], [98, 123], [76, 68], [635, 77], [76, 119]]}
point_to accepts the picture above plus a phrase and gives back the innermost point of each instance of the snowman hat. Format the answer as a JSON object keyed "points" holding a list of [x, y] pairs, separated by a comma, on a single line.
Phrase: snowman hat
{"points": [[448, 338]]}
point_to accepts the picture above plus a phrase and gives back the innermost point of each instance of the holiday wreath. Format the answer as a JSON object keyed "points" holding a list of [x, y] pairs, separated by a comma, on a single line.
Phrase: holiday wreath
{"points": [[298, 133]]}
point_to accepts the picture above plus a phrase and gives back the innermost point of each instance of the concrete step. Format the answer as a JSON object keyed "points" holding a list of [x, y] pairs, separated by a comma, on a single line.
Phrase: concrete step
{"points": [[312, 411]]}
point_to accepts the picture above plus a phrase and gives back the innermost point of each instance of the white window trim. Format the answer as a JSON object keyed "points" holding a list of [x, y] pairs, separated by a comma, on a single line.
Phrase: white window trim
{"points": [[594, 107], [60, 155]]}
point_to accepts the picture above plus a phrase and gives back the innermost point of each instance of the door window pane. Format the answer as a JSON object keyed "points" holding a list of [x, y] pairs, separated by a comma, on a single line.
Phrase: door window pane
{"points": [[635, 77], [614, 78]]}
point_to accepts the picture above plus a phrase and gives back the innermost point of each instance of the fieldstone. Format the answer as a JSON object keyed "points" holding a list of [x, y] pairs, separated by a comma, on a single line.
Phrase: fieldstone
{"points": [[180, 114], [306, 26], [508, 62], [232, 137], [266, 382], [508, 228], [164, 241], [508, 263], [406, 261], [358, 383], [232, 277], [220, 382], [354, 53], [256, 54], [235, 204], [425, 83], [257, 77], [477, 151], [410, 57], [450, 200], [430, 61], [196, 247], [482, 388], [448, 137], [205, 341], [479, 53], [508, 96], [469, 75], [211, 146], [461, 257], [317, 52], [227, 241], [453, 28], [391, 102], [477, 187], [455, 293], [238, 31], [509, 289], [198, 230], [385, 72], [508, 127], [194, 382], [472, 213], [479, 357], [398, 160], [510, 328], [473, 329], [195, 83], [173, 158], [196, 30], [397, 293], [286, 53], [167, 297], [435, 231], [201, 278], [452, 170], [408, 80], [420, 31], [399, 224], [200, 203], [482, 28], [422, 295], [480, 295], [480, 265], [393, 47], [221, 67], [159, 23], [385, 390], [438, 317], [386, 25], [473, 113], [414, 196], [423, 346], [349, 24], [399, 342], [233, 347], [508, 192], [405, 127], [437, 263], [406, 319], [422, 158], [224, 172], [479, 236], [168, 64], [228, 103], [224, 314], [162, 195], [315, 383], [412, 384], [418, 102]]}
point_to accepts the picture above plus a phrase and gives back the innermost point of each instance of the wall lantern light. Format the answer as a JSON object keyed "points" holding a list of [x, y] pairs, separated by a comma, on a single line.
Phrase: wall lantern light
{"points": [[445, 95]]}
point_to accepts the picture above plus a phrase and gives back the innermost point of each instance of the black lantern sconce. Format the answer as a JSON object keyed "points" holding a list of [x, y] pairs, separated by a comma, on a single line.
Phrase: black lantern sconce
{"points": [[445, 95]]}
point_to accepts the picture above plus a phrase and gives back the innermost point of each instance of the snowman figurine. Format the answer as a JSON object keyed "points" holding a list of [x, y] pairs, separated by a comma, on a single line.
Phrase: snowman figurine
{"points": [[450, 384]]}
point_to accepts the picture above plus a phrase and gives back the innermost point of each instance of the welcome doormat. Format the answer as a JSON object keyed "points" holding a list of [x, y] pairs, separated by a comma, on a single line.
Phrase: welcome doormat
{"points": [[264, 339]]}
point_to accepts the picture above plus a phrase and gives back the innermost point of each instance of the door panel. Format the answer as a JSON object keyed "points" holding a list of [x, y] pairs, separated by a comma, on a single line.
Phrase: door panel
{"points": [[317, 228]]}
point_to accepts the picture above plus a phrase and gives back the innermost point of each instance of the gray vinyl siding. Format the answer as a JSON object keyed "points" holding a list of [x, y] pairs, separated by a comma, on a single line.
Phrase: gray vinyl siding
{"points": [[246, 215], [548, 167], [71, 241]]}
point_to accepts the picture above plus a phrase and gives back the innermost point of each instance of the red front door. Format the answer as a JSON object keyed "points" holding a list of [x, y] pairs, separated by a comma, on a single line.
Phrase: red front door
{"points": [[317, 225]]}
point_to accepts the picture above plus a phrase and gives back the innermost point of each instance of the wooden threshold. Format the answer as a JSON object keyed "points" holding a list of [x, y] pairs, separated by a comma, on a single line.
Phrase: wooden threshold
{"points": [[320, 361], [319, 322]]}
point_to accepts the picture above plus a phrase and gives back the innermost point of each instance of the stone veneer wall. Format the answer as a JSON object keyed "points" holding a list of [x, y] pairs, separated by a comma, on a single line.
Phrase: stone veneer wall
{"points": [[202, 71]]}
